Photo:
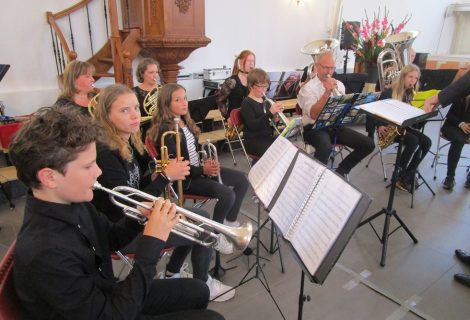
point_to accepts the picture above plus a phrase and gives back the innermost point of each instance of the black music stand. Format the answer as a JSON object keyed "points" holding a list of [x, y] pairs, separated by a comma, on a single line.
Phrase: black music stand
{"points": [[3, 70], [389, 211]]}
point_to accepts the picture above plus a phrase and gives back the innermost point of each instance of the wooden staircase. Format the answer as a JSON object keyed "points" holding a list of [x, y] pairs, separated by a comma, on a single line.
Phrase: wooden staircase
{"points": [[116, 54]]}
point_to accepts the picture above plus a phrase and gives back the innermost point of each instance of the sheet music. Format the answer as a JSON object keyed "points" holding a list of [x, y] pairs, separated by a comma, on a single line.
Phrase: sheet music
{"points": [[266, 175], [324, 217], [295, 193], [392, 110]]}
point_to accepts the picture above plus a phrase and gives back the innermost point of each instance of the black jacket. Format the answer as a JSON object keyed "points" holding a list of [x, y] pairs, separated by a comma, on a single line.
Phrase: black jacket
{"points": [[63, 264]]}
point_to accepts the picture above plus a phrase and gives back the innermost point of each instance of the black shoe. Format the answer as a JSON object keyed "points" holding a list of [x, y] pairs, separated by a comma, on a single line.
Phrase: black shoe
{"points": [[462, 278], [467, 182], [463, 256], [449, 183]]}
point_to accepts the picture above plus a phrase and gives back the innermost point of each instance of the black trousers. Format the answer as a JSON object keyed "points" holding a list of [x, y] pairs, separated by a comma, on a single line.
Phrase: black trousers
{"points": [[322, 140], [415, 147], [457, 139], [258, 146]]}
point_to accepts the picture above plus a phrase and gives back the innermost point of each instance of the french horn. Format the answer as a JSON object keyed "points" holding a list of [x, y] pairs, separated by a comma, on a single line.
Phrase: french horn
{"points": [[150, 104]]}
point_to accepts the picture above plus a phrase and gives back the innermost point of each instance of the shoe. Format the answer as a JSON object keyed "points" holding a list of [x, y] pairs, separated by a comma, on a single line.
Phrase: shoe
{"points": [[182, 274], [223, 245], [467, 182], [449, 183], [462, 278], [217, 289], [463, 256], [234, 224]]}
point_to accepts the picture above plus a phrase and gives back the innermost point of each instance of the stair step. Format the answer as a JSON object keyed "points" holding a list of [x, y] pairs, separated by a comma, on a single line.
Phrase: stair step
{"points": [[106, 60], [104, 75]]}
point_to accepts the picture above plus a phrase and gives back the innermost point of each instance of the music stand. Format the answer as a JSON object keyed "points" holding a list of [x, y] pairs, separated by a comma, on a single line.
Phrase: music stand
{"points": [[389, 211]]}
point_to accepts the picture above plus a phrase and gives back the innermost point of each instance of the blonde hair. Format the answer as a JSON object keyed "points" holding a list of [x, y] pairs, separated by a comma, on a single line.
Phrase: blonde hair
{"points": [[72, 71], [110, 135], [164, 117], [398, 86]]}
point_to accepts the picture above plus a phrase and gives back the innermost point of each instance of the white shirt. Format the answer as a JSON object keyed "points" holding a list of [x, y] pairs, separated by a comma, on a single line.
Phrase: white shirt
{"points": [[309, 94]]}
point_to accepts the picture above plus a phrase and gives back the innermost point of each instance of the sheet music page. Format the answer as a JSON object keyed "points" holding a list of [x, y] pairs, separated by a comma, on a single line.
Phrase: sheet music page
{"points": [[266, 175], [325, 216], [392, 110], [297, 189]]}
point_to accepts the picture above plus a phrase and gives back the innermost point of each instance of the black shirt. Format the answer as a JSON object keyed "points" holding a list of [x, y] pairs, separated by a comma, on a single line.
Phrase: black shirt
{"points": [[231, 94], [63, 264], [256, 118], [63, 101]]}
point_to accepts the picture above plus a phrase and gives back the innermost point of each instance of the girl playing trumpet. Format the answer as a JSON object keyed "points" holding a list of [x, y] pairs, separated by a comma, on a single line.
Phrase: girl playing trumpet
{"points": [[172, 103]]}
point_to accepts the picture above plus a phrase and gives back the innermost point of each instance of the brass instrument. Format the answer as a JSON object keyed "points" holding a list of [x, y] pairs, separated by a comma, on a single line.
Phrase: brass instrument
{"points": [[391, 60], [209, 152], [280, 115], [150, 104], [165, 159], [335, 91], [314, 49], [392, 131], [190, 225], [93, 102]]}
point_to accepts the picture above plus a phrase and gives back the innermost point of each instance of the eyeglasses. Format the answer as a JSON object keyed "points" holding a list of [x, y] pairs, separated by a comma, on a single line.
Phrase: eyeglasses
{"points": [[262, 85], [326, 67]]}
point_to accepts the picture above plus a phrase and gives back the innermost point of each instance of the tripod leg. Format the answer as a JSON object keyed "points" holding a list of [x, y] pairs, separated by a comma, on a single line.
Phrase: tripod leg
{"points": [[405, 227], [385, 238]]}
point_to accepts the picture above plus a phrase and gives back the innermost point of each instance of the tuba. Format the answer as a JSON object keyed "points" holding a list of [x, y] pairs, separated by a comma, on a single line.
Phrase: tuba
{"points": [[314, 49], [391, 60], [190, 225]]}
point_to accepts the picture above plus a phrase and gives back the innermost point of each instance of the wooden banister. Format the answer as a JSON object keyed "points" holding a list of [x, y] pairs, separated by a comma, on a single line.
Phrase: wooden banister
{"points": [[70, 10], [71, 55]]}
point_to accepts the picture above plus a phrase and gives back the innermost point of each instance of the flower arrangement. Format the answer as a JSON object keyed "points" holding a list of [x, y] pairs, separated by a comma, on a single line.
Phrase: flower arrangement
{"points": [[369, 38]]}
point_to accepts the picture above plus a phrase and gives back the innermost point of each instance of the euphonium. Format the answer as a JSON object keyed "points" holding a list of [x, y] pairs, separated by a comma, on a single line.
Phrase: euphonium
{"points": [[190, 225], [165, 158], [209, 152]]}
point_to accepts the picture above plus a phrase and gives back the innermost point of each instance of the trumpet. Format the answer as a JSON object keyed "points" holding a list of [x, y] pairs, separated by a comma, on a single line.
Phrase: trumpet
{"points": [[165, 158], [209, 152], [190, 225]]}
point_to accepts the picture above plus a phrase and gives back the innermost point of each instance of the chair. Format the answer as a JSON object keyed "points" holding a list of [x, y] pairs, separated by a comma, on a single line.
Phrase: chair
{"points": [[438, 154], [7, 174], [10, 305], [237, 122]]}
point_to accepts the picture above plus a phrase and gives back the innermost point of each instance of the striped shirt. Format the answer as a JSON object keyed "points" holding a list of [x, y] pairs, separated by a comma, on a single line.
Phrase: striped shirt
{"points": [[190, 142]]}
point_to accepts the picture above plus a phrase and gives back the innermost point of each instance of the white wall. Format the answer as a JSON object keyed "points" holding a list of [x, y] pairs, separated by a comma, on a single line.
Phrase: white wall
{"points": [[274, 29]]}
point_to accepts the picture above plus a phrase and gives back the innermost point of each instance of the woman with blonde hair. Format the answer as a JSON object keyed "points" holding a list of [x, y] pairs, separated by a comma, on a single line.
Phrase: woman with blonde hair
{"points": [[77, 85], [416, 144]]}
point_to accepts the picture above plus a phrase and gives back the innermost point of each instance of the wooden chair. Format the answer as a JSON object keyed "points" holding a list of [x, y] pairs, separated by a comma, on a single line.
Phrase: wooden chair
{"points": [[10, 305]]}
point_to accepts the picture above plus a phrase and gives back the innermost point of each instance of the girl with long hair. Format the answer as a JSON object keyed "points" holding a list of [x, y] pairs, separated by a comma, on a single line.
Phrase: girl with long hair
{"points": [[172, 103]]}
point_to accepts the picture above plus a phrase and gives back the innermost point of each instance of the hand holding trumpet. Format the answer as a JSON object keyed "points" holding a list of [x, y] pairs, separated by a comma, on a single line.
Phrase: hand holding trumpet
{"points": [[161, 219], [177, 169], [211, 168], [276, 107]]}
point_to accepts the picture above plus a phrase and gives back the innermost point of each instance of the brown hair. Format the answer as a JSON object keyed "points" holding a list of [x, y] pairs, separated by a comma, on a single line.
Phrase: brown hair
{"points": [[72, 71], [142, 67], [164, 117], [110, 135], [240, 61], [53, 137], [256, 76]]}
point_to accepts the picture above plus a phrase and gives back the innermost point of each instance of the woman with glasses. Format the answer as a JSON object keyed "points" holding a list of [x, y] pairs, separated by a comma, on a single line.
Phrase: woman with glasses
{"points": [[258, 114], [234, 89]]}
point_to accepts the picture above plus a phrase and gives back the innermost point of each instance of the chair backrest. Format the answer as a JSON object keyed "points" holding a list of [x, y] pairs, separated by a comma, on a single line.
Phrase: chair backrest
{"points": [[10, 306], [151, 148], [236, 117]]}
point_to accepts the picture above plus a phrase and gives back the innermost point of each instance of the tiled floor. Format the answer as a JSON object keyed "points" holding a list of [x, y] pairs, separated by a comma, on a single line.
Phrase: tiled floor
{"points": [[416, 276]]}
